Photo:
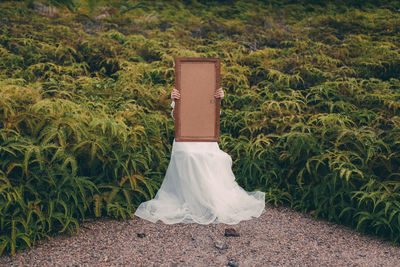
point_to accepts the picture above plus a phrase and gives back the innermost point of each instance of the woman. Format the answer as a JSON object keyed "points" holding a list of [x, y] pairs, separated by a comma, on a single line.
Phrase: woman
{"points": [[200, 187]]}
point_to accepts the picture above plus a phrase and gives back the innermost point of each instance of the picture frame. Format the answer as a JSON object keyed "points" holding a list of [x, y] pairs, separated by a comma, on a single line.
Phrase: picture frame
{"points": [[197, 112]]}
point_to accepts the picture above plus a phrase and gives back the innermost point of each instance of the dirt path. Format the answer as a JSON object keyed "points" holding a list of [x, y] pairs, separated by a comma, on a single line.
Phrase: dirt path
{"points": [[279, 237]]}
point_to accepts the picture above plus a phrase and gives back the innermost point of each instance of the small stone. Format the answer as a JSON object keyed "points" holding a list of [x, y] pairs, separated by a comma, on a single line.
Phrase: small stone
{"points": [[220, 245], [232, 264], [231, 232], [141, 235]]}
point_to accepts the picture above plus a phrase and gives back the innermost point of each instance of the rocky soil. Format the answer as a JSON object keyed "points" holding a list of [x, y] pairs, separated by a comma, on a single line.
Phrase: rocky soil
{"points": [[279, 237]]}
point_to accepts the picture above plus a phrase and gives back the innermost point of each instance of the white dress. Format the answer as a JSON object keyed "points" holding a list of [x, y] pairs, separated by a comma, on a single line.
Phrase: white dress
{"points": [[200, 187]]}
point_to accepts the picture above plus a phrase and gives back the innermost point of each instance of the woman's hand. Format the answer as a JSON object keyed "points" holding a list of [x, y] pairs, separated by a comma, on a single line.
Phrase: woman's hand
{"points": [[175, 94], [219, 93]]}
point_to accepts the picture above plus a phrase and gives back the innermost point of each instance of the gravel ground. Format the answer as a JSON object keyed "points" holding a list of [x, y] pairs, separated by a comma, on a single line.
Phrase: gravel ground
{"points": [[279, 237]]}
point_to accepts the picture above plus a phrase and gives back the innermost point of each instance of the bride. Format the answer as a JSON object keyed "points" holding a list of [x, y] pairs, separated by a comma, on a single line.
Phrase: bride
{"points": [[200, 187]]}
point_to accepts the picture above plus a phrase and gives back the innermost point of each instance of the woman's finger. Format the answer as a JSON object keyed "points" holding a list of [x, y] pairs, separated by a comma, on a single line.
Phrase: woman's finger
{"points": [[175, 94], [219, 93]]}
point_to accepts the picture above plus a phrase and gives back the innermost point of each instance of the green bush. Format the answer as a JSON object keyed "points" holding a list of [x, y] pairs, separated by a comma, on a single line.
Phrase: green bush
{"points": [[311, 114]]}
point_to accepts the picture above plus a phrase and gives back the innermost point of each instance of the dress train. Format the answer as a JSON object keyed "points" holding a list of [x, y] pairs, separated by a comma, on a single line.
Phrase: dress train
{"points": [[200, 187]]}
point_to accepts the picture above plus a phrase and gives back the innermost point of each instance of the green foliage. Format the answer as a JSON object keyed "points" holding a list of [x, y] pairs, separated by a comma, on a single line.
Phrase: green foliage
{"points": [[311, 114]]}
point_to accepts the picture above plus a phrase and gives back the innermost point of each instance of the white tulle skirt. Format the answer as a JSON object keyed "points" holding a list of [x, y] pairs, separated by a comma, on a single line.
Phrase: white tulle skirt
{"points": [[200, 187]]}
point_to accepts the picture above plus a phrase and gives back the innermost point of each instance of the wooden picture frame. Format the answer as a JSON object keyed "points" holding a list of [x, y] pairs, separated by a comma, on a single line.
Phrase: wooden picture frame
{"points": [[197, 111]]}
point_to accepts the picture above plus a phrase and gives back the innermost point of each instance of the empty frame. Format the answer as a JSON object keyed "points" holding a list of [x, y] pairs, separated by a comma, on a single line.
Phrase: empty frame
{"points": [[197, 111]]}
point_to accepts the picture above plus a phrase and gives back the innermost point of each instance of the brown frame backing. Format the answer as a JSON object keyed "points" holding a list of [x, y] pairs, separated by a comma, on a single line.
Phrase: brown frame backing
{"points": [[192, 121]]}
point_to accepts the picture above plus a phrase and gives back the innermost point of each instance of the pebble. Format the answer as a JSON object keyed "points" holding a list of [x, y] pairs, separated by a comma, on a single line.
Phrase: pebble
{"points": [[220, 245], [231, 232]]}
